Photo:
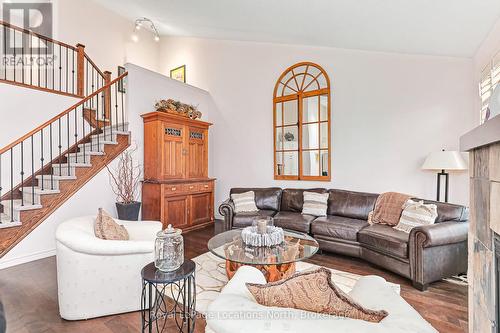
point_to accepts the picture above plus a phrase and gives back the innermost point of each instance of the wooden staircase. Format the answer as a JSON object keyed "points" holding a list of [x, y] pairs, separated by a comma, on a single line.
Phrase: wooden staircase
{"points": [[69, 150]]}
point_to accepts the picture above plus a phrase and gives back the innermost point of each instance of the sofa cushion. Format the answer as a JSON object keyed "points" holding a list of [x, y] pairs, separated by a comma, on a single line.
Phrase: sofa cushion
{"points": [[448, 211], [385, 239], [356, 205], [241, 220], [265, 198], [338, 227], [293, 199], [293, 221]]}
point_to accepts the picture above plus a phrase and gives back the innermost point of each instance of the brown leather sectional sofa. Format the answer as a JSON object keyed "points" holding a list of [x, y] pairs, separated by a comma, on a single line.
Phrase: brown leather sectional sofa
{"points": [[426, 254]]}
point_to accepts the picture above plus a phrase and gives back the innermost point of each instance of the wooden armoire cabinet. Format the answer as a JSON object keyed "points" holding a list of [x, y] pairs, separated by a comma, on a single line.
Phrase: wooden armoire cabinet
{"points": [[176, 188]]}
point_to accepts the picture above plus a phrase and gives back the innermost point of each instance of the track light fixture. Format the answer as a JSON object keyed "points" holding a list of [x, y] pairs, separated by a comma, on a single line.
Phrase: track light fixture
{"points": [[139, 23]]}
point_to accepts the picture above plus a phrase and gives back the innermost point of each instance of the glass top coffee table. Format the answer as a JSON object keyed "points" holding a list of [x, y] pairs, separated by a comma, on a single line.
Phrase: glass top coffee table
{"points": [[276, 262]]}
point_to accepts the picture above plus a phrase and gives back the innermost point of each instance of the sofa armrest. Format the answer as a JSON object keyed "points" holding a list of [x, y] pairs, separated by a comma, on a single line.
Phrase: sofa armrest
{"points": [[226, 209], [440, 233]]}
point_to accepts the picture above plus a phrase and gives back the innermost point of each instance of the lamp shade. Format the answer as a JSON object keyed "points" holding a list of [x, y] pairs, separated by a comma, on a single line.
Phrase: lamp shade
{"points": [[445, 160]]}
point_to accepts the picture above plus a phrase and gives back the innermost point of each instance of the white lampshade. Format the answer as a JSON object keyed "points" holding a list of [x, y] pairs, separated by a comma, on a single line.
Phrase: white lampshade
{"points": [[445, 160]]}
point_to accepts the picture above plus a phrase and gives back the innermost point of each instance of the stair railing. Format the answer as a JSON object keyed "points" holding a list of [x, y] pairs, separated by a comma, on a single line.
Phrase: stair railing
{"points": [[59, 145], [35, 61]]}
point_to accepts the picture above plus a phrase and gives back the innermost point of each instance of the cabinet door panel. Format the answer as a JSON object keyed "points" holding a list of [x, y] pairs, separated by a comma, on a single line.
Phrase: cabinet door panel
{"points": [[176, 211], [201, 208], [174, 154], [198, 157]]}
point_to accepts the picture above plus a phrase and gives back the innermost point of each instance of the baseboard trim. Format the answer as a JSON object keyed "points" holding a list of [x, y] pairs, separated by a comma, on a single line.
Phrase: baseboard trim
{"points": [[26, 258]]}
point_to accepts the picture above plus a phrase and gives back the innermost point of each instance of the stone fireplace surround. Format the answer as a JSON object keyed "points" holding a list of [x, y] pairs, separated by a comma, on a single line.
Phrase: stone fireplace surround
{"points": [[483, 144]]}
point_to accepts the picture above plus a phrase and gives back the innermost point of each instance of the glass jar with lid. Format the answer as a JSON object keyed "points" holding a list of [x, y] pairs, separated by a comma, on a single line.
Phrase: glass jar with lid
{"points": [[169, 249]]}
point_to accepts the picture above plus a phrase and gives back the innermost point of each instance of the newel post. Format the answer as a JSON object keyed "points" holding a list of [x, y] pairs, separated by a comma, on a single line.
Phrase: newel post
{"points": [[80, 69], [107, 95]]}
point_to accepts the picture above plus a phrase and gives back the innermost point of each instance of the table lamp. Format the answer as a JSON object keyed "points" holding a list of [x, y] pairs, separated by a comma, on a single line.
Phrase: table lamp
{"points": [[444, 161]]}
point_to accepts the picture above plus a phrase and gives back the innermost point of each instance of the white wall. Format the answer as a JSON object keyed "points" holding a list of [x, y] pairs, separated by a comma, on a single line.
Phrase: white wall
{"points": [[105, 34], [388, 111], [145, 87]]}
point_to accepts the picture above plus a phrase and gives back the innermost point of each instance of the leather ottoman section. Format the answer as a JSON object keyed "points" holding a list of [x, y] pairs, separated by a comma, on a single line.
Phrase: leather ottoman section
{"points": [[385, 240], [396, 265], [338, 227], [241, 220], [294, 221], [341, 246]]}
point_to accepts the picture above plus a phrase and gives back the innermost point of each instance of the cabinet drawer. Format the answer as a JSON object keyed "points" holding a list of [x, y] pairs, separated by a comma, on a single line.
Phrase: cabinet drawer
{"points": [[208, 186], [191, 187], [174, 189]]}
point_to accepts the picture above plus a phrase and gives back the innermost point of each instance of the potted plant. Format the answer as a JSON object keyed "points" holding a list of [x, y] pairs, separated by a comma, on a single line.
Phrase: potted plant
{"points": [[124, 181]]}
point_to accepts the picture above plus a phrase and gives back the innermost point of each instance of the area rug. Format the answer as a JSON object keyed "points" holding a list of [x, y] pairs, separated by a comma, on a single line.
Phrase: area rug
{"points": [[211, 278]]}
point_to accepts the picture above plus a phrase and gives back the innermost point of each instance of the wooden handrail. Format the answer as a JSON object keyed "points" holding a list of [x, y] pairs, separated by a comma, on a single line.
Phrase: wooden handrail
{"points": [[55, 118], [26, 31], [94, 65]]}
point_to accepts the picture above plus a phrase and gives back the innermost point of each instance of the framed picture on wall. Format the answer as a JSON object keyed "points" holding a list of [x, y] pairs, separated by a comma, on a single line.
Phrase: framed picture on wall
{"points": [[179, 73], [121, 83]]}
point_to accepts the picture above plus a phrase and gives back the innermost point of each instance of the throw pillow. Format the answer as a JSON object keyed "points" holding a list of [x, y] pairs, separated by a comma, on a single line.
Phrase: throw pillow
{"points": [[312, 291], [416, 213], [388, 208], [105, 227], [315, 203], [244, 202]]}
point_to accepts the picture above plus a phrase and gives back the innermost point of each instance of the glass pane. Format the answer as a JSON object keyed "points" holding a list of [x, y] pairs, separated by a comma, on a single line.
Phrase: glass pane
{"points": [[279, 115], [279, 138], [310, 136], [324, 163], [323, 135], [310, 163], [279, 163], [310, 109], [291, 161], [288, 91], [291, 112], [323, 107], [290, 138]]}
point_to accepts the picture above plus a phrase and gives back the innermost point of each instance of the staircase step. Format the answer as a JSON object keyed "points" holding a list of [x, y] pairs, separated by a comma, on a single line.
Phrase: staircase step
{"points": [[118, 128], [91, 147], [101, 141], [17, 208], [65, 169], [56, 177], [32, 195], [5, 222], [49, 182], [83, 156]]}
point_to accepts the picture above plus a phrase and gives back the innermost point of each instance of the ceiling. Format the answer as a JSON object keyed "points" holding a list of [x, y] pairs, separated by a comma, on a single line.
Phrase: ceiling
{"points": [[433, 27]]}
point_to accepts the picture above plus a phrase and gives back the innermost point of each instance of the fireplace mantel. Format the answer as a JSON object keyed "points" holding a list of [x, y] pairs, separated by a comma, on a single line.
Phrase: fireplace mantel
{"points": [[486, 134]]}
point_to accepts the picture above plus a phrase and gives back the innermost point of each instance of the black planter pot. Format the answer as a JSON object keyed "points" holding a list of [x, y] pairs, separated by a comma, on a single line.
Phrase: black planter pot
{"points": [[128, 212]]}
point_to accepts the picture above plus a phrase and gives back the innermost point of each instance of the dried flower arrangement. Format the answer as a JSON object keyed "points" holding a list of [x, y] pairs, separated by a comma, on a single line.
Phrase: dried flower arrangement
{"points": [[177, 107], [125, 178]]}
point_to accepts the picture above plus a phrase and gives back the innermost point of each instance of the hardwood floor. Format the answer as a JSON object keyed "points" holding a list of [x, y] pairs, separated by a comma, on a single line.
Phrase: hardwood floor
{"points": [[29, 294]]}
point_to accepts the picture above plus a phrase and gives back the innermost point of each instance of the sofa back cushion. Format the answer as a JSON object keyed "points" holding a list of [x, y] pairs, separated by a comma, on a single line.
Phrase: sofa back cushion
{"points": [[267, 198], [449, 212], [293, 199], [356, 205]]}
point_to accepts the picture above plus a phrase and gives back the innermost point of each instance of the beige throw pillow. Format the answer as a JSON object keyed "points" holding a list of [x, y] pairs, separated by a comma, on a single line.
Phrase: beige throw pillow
{"points": [[315, 204], [388, 208], [416, 213], [312, 291], [244, 202], [105, 227]]}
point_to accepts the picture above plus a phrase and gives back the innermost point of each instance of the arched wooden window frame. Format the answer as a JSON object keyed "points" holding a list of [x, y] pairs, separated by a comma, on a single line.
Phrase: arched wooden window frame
{"points": [[298, 86]]}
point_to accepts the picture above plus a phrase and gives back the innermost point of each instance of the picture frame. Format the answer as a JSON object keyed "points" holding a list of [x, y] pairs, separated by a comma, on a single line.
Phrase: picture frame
{"points": [[122, 83], [179, 73]]}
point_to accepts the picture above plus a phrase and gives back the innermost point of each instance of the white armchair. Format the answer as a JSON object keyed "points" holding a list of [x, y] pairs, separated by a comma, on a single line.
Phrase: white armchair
{"points": [[97, 277]]}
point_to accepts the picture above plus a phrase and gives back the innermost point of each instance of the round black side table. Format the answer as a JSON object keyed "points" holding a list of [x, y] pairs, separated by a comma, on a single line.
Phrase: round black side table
{"points": [[168, 295]]}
